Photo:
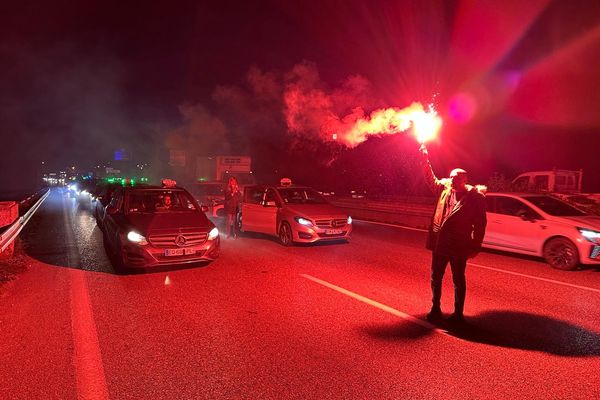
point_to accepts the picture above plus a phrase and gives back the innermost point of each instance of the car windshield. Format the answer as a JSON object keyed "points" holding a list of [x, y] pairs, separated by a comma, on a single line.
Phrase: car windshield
{"points": [[163, 201], [554, 206], [301, 196]]}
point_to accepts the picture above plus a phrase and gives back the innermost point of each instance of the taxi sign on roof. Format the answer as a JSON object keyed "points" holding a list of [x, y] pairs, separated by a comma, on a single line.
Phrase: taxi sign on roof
{"points": [[169, 183], [285, 182]]}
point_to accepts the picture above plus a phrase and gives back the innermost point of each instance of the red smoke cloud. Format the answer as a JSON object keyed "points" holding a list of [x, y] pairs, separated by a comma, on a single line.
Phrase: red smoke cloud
{"points": [[299, 105]]}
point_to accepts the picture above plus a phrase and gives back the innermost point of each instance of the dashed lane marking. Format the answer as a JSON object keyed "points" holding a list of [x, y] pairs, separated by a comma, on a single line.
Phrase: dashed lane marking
{"points": [[376, 304], [536, 278]]}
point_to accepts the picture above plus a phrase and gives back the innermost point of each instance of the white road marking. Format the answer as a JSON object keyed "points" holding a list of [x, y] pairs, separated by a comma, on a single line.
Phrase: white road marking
{"points": [[537, 278], [376, 304], [87, 357], [498, 269]]}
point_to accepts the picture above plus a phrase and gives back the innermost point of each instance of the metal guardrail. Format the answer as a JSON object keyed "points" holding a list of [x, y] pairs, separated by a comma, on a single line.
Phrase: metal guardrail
{"points": [[416, 215], [392, 207], [9, 235]]}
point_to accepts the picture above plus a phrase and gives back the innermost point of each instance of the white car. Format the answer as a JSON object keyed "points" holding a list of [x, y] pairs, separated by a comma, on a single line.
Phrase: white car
{"points": [[542, 225]]}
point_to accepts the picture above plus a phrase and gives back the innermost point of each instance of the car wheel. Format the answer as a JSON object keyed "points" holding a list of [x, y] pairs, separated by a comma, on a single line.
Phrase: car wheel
{"points": [[285, 234], [238, 222], [562, 254]]}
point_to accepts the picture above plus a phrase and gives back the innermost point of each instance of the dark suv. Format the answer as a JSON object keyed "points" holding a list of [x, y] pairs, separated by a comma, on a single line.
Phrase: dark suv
{"points": [[148, 226]]}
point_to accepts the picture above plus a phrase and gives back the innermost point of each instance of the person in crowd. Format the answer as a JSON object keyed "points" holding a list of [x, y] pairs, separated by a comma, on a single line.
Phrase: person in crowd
{"points": [[233, 198]]}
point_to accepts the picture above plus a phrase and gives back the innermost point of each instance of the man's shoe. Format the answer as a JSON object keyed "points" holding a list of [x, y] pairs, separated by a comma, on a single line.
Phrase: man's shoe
{"points": [[456, 319], [434, 315]]}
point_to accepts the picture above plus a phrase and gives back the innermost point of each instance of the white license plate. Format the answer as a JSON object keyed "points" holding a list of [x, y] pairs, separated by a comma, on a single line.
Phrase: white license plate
{"points": [[179, 252], [333, 231]]}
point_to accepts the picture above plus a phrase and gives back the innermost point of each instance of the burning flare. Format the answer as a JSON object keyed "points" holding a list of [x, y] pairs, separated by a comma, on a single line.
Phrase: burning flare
{"points": [[355, 128]]}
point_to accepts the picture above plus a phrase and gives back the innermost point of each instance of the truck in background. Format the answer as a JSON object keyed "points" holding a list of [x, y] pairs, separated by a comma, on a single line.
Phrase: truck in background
{"points": [[213, 173], [554, 181], [561, 183], [220, 168]]}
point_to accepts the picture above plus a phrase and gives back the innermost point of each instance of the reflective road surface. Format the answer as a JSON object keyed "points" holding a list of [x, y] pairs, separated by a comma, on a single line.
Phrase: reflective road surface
{"points": [[334, 321]]}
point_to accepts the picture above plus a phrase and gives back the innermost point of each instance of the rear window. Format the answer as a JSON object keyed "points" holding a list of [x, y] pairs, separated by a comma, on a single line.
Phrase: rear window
{"points": [[163, 201]]}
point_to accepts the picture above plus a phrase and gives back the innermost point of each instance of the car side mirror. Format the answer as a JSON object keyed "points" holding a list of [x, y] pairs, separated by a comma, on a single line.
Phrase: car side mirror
{"points": [[269, 204], [204, 208]]}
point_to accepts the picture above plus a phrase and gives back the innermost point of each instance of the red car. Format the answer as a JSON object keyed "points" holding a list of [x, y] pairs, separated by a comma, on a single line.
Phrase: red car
{"points": [[148, 226]]}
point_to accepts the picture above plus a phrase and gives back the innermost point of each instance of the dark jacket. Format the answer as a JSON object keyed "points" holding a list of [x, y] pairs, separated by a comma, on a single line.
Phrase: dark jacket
{"points": [[232, 201], [461, 233]]}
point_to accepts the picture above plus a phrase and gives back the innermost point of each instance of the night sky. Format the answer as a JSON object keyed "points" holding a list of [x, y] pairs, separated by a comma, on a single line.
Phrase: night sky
{"points": [[516, 82]]}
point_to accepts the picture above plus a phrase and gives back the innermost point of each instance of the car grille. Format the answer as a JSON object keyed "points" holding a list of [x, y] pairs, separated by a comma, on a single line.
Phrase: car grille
{"points": [[170, 239], [331, 223]]}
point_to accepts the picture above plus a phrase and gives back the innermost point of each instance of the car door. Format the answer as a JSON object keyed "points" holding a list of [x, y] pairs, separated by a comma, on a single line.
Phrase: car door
{"points": [[491, 234], [252, 207], [514, 225], [267, 214]]}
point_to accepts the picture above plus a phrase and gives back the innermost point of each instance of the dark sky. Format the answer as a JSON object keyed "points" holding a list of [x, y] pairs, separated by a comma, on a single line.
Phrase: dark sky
{"points": [[516, 82]]}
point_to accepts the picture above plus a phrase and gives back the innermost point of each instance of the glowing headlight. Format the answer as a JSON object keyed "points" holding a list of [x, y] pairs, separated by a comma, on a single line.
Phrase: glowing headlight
{"points": [[303, 221], [213, 234], [592, 236], [136, 238], [349, 220]]}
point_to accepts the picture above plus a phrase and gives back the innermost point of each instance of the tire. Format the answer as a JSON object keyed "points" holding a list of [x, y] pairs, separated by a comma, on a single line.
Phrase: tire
{"points": [[285, 234], [238, 222], [561, 254]]}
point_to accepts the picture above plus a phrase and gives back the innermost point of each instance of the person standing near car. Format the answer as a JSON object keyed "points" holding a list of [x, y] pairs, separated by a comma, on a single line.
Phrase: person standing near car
{"points": [[233, 198], [455, 234]]}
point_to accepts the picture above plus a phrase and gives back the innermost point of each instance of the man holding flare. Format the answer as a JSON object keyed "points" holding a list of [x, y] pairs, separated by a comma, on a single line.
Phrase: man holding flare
{"points": [[456, 231]]}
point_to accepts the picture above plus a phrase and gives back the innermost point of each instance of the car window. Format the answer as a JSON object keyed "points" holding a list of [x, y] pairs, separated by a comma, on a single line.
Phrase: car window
{"points": [[521, 184], [115, 201], [301, 196], [254, 194], [514, 207], [541, 182], [164, 201], [270, 195], [554, 206]]}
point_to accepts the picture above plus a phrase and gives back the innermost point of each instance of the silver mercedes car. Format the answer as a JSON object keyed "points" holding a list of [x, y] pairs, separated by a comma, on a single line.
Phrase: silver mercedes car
{"points": [[294, 214]]}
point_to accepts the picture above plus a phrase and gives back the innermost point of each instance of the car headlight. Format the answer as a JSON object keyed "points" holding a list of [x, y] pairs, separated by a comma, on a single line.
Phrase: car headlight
{"points": [[349, 220], [136, 238], [304, 221], [590, 235], [213, 234]]}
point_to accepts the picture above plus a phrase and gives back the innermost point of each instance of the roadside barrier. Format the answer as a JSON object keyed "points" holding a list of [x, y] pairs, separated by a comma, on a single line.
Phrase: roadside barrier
{"points": [[8, 236], [415, 215]]}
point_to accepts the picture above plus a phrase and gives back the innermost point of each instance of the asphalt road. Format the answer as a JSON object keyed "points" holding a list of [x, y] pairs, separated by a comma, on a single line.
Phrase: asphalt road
{"points": [[334, 321]]}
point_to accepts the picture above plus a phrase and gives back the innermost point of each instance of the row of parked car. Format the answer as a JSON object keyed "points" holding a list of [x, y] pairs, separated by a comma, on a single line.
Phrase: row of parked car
{"points": [[146, 226], [140, 230]]}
